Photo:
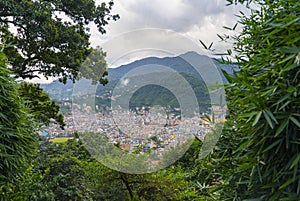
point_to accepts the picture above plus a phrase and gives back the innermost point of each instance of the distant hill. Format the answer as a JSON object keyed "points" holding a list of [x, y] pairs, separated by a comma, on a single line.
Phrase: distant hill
{"points": [[151, 94]]}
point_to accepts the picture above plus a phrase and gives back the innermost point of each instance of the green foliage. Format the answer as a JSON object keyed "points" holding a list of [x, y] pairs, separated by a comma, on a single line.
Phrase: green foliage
{"points": [[166, 184], [17, 134], [94, 67], [42, 107], [52, 37], [263, 100], [66, 171], [57, 174]]}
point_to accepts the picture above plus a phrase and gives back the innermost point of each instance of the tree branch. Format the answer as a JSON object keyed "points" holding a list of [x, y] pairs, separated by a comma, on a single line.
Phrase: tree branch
{"points": [[12, 22], [127, 186]]}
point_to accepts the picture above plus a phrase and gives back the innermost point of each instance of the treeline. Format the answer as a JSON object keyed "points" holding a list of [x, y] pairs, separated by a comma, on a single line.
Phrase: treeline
{"points": [[66, 171]]}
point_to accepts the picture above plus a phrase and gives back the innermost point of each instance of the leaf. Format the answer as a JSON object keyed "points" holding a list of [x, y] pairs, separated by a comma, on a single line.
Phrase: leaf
{"points": [[268, 119], [242, 146], [272, 145], [272, 116], [295, 121], [290, 50], [284, 105], [287, 59], [283, 98], [257, 118], [288, 182], [281, 127], [297, 159], [259, 173], [229, 52], [291, 89], [275, 196], [291, 67], [220, 37], [228, 28], [292, 21], [249, 114], [203, 44], [234, 27], [296, 114], [279, 24]]}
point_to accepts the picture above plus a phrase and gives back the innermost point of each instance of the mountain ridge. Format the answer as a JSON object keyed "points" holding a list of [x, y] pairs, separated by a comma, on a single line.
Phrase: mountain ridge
{"points": [[59, 91]]}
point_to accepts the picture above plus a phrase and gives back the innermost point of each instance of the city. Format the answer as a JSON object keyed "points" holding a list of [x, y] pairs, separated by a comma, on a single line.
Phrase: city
{"points": [[148, 128]]}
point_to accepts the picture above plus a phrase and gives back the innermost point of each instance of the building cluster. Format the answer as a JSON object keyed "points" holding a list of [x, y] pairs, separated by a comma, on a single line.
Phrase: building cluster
{"points": [[144, 130]]}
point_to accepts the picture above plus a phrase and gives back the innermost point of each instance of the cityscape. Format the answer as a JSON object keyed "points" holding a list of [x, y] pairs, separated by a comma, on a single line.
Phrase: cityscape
{"points": [[147, 128]]}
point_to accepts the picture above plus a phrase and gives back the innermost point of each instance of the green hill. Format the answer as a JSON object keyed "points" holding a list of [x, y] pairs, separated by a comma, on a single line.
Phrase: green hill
{"points": [[146, 95]]}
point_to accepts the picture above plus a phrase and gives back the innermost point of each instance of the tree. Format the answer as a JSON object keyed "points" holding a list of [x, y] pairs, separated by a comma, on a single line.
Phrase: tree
{"points": [[17, 129], [264, 104], [57, 173], [66, 171], [42, 107], [50, 38]]}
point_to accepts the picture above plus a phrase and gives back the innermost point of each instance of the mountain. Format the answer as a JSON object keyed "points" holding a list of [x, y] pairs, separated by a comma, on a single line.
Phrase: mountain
{"points": [[151, 94]]}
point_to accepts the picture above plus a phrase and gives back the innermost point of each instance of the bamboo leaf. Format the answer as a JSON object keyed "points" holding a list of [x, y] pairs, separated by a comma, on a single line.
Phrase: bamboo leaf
{"points": [[290, 50], [210, 45], [283, 98], [220, 37], [291, 67], [257, 118], [272, 145], [297, 159], [203, 44], [295, 121], [284, 105], [282, 127], [268, 119], [287, 59], [228, 28], [288, 182], [242, 146], [272, 116], [234, 27]]}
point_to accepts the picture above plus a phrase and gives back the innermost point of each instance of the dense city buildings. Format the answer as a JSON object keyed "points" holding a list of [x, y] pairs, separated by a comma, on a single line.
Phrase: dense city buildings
{"points": [[151, 128]]}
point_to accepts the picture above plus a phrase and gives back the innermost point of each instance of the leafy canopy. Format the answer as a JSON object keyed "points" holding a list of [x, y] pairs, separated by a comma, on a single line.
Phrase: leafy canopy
{"points": [[50, 37], [40, 104], [17, 135], [261, 142], [264, 103]]}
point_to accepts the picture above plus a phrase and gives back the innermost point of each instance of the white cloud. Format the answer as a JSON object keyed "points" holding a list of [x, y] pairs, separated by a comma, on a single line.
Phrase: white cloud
{"points": [[197, 19]]}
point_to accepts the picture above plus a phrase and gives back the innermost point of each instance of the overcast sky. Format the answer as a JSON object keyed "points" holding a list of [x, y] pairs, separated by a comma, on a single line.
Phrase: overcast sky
{"points": [[194, 19], [189, 19]]}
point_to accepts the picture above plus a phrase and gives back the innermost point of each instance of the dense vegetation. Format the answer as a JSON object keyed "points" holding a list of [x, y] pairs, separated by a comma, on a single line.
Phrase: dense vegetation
{"points": [[17, 129], [259, 151], [265, 104], [51, 37], [66, 171], [256, 158]]}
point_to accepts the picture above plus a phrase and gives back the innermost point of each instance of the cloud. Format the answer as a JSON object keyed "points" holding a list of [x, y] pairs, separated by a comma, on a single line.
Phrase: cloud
{"points": [[177, 15], [195, 19]]}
